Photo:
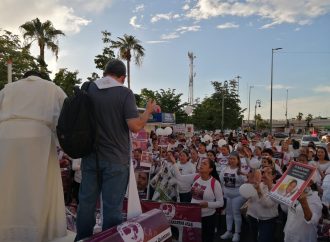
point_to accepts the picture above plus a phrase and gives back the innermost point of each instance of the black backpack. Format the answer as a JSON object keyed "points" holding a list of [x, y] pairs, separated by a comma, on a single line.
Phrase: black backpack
{"points": [[76, 127]]}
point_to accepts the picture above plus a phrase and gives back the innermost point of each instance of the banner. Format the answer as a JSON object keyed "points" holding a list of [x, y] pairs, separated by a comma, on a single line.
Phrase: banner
{"points": [[179, 128], [185, 219], [151, 226], [292, 184]]}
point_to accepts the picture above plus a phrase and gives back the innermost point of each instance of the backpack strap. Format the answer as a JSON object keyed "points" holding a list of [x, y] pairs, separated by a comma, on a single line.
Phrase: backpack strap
{"points": [[85, 86]]}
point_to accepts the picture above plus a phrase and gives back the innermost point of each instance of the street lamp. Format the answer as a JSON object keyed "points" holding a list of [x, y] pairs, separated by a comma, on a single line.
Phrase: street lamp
{"points": [[249, 106], [271, 90], [258, 104], [225, 85]]}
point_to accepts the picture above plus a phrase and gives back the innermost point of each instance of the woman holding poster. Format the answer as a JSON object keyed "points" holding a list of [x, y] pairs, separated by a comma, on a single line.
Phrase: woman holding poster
{"points": [[303, 218]]}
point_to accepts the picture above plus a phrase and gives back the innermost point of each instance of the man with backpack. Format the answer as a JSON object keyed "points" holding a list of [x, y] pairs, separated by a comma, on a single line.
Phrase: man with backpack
{"points": [[116, 115]]}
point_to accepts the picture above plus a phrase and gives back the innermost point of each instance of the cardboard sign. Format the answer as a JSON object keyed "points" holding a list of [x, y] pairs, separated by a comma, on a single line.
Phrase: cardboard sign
{"points": [[292, 184]]}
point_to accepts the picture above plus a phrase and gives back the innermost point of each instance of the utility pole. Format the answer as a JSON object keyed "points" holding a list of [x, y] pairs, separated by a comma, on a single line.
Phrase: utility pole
{"points": [[238, 77], [249, 106], [191, 57], [286, 107], [271, 91]]}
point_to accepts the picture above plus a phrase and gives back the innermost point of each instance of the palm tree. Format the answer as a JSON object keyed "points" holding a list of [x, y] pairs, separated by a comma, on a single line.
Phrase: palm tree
{"points": [[308, 119], [46, 36], [126, 46]]}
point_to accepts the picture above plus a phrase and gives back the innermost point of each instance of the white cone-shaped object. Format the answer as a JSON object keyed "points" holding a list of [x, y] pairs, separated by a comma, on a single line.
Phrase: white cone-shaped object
{"points": [[133, 206]]}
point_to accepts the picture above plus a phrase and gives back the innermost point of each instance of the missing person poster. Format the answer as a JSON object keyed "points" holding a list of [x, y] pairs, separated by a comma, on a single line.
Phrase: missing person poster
{"points": [[292, 184], [146, 160], [142, 181]]}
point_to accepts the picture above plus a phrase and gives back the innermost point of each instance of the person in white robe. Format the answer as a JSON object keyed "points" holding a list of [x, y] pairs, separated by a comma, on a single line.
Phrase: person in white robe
{"points": [[31, 204]]}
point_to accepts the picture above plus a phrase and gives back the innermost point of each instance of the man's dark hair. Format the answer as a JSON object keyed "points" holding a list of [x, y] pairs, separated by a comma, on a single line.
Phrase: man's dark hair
{"points": [[115, 67], [38, 74], [268, 151]]}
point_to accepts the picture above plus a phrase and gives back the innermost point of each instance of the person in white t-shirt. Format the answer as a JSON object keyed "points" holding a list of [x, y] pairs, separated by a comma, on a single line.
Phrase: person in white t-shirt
{"points": [[231, 178], [207, 192], [185, 168], [222, 158], [303, 218]]}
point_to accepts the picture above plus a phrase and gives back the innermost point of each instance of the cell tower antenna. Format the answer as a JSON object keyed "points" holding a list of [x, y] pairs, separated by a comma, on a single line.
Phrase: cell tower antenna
{"points": [[191, 78]]}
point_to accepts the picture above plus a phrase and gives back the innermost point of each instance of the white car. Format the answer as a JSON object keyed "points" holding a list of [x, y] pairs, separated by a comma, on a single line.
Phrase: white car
{"points": [[308, 138]]}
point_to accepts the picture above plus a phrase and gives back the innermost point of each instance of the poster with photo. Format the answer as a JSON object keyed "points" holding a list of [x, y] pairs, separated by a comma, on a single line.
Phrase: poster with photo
{"points": [[146, 160], [142, 182], [163, 141], [278, 158], [292, 184], [140, 140]]}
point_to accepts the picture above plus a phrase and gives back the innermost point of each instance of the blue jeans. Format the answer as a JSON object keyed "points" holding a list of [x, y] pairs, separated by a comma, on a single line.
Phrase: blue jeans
{"points": [[114, 179], [262, 230]]}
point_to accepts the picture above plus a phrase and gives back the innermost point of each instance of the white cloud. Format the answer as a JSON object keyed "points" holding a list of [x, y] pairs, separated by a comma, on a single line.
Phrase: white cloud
{"points": [[321, 89], [279, 86], [132, 22], [62, 17], [184, 29], [227, 26], [186, 7], [169, 36], [312, 104], [156, 41], [278, 12], [95, 5], [164, 16], [138, 8]]}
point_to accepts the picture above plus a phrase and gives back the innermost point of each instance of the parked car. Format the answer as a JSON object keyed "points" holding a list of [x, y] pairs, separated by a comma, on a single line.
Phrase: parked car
{"points": [[281, 135], [308, 138]]}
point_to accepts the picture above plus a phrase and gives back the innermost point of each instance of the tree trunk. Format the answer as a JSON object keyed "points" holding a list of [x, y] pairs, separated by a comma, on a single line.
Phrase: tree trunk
{"points": [[43, 66]]}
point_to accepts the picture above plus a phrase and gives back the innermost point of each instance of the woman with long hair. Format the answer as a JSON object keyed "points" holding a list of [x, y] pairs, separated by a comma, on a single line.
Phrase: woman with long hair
{"points": [[207, 192], [322, 160], [232, 178]]}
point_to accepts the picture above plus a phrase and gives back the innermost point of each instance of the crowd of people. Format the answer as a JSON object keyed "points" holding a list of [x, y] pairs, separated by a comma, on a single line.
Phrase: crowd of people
{"points": [[210, 168]]}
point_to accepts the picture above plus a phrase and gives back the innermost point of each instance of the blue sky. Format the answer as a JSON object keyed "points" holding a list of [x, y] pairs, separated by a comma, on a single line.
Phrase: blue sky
{"points": [[229, 38]]}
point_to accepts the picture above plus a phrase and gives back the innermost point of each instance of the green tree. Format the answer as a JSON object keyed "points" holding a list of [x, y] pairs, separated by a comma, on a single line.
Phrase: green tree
{"points": [[300, 116], [168, 100], [67, 80], [45, 35], [308, 119], [12, 48], [129, 47], [94, 77], [107, 52], [208, 114]]}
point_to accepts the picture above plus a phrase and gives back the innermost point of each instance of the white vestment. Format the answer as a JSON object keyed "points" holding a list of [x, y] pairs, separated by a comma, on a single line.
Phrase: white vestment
{"points": [[31, 201]]}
